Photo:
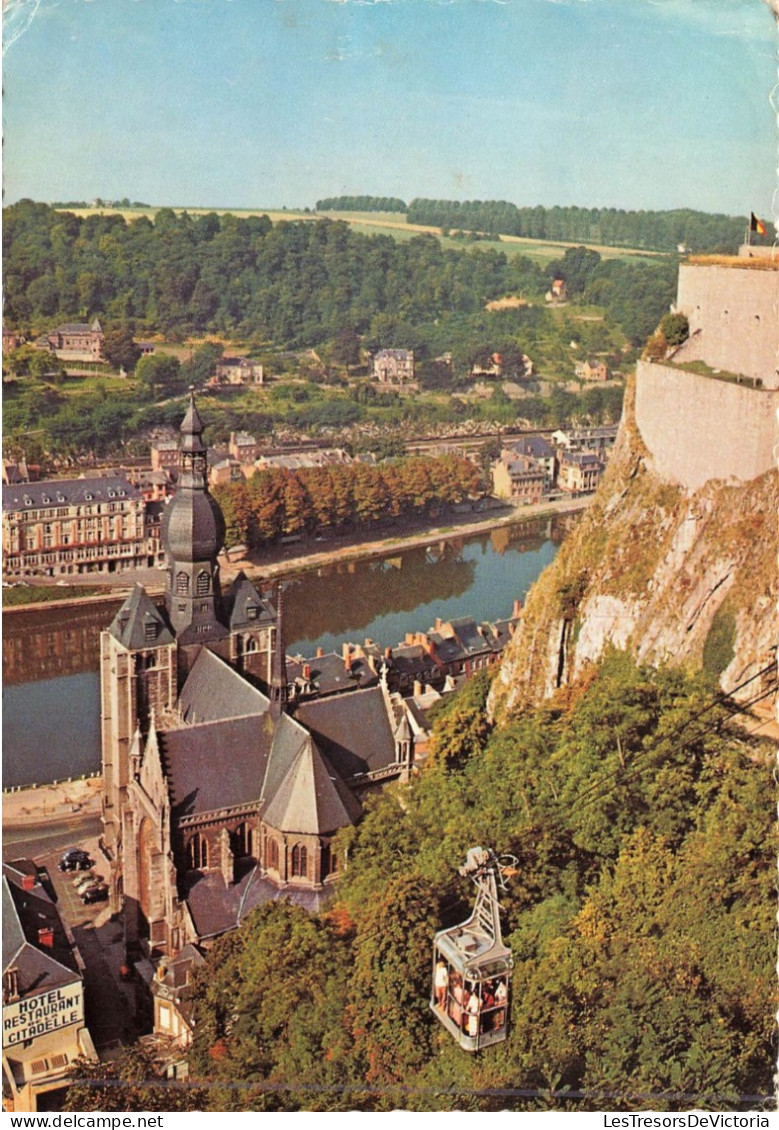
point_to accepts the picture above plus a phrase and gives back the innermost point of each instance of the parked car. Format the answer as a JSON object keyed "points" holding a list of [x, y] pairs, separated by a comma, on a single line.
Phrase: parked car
{"points": [[88, 880], [97, 893], [76, 859]]}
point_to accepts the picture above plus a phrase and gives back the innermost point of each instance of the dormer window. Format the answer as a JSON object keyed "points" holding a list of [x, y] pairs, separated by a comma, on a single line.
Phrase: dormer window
{"points": [[252, 611], [150, 631], [88, 496]]}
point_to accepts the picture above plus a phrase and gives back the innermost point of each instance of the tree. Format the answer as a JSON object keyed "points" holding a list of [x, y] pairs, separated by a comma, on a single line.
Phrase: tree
{"points": [[132, 1082], [675, 328], [120, 349], [159, 375]]}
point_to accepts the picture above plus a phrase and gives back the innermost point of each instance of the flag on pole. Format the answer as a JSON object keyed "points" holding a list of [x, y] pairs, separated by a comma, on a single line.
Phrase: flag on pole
{"points": [[756, 224]]}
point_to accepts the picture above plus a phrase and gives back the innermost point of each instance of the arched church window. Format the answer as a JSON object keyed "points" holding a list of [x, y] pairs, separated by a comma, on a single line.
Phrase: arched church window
{"points": [[197, 852], [251, 644], [202, 583], [243, 841], [299, 861], [273, 854], [182, 583]]}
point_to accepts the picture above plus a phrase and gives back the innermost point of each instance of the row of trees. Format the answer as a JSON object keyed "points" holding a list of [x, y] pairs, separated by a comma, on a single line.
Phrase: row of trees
{"points": [[656, 231], [640, 918], [361, 204], [295, 284], [276, 502]]}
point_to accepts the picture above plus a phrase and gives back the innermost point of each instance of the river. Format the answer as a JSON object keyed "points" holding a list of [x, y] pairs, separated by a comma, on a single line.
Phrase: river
{"points": [[51, 689]]}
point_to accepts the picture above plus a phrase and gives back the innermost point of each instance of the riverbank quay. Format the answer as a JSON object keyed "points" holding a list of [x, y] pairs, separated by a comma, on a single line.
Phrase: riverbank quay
{"points": [[31, 805], [282, 561]]}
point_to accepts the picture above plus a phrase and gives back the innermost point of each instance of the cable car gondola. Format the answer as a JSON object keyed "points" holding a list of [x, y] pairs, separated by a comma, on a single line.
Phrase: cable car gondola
{"points": [[472, 967]]}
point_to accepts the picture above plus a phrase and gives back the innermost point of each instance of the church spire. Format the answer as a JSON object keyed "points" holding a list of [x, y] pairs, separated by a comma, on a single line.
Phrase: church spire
{"points": [[193, 532], [279, 686]]}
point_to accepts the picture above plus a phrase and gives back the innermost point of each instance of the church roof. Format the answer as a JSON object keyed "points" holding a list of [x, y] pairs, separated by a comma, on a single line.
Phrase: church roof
{"points": [[139, 623], [216, 907], [354, 731], [216, 765], [311, 798], [214, 691], [245, 607]]}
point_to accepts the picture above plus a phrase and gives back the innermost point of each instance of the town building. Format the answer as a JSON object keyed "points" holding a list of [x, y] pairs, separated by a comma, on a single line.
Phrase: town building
{"points": [[237, 371], [536, 448], [44, 1030], [519, 478], [243, 447], [71, 526], [394, 366], [591, 370], [75, 341], [164, 455], [223, 788], [597, 439], [579, 471]]}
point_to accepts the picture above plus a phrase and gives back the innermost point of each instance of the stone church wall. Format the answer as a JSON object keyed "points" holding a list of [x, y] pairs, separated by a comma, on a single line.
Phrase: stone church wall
{"points": [[699, 428]]}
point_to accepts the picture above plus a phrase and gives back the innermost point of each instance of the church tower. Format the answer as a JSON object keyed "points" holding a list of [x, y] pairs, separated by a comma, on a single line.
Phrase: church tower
{"points": [[193, 532]]}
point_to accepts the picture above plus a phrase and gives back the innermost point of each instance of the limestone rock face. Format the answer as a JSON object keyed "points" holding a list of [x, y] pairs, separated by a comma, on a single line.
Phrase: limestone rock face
{"points": [[675, 576]]}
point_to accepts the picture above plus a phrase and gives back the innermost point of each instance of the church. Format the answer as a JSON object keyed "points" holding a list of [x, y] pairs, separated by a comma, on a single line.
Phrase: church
{"points": [[224, 786]]}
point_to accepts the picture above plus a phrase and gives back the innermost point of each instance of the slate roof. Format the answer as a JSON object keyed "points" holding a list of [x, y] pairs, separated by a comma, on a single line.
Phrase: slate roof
{"points": [[216, 907], [329, 674], [354, 731], [68, 492], [216, 764], [469, 636], [311, 798], [139, 623], [241, 596], [24, 914], [215, 691], [535, 446]]}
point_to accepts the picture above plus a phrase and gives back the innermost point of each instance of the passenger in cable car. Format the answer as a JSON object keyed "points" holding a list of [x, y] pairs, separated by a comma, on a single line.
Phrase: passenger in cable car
{"points": [[441, 984], [473, 1008], [456, 999]]}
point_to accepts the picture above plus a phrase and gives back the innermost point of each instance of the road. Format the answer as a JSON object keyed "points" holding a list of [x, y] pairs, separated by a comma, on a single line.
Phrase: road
{"points": [[33, 840]]}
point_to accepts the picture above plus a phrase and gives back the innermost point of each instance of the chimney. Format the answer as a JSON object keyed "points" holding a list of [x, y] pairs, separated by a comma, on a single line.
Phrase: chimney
{"points": [[28, 882], [46, 937], [346, 651], [429, 645], [388, 653], [347, 658], [306, 670], [417, 688], [320, 651], [517, 609], [409, 638], [372, 662], [512, 629], [438, 623]]}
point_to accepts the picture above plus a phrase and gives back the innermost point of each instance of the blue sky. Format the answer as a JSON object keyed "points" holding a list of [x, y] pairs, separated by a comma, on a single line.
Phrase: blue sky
{"points": [[270, 103]]}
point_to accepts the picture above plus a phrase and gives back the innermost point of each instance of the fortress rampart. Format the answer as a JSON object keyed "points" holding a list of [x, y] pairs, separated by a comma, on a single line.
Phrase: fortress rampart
{"points": [[733, 311], [699, 428]]}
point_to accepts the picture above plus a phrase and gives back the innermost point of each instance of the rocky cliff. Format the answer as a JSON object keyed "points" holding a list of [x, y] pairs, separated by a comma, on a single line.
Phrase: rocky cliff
{"points": [[676, 576]]}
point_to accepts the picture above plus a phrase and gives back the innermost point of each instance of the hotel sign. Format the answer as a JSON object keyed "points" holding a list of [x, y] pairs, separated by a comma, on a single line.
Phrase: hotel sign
{"points": [[45, 1012]]}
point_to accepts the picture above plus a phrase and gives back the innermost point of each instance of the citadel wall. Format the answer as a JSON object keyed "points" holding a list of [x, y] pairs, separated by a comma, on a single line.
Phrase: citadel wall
{"points": [[733, 311], [699, 428]]}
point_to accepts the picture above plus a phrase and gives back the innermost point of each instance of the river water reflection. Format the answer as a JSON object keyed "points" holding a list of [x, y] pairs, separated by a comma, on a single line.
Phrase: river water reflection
{"points": [[51, 692]]}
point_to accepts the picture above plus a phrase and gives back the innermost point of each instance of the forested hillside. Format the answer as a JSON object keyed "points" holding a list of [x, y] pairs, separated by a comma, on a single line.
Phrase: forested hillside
{"points": [[640, 917], [298, 283], [657, 231]]}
